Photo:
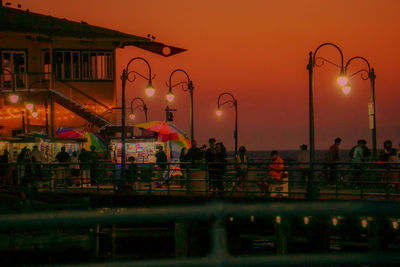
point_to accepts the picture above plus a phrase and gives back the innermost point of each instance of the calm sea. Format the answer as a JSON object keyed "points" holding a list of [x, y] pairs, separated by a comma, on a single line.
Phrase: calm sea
{"points": [[289, 155]]}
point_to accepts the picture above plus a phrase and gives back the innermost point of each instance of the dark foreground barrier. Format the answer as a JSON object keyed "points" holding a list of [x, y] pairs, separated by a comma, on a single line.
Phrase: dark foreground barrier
{"points": [[219, 215]]}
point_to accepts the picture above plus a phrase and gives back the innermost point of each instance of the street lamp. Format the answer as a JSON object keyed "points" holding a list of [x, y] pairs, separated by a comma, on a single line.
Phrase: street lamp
{"points": [[149, 91], [189, 87], [141, 107], [311, 187], [13, 97], [232, 103], [371, 76]]}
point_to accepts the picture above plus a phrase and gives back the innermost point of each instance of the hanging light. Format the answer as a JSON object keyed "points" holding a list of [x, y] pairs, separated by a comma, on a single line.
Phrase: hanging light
{"points": [[342, 80], [14, 98], [218, 112], [346, 89], [132, 116], [170, 96], [150, 89], [29, 106]]}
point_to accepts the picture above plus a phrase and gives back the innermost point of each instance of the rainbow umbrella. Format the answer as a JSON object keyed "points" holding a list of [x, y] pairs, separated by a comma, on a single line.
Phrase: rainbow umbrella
{"points": [[94, 140], [68, 132], [165, 131]]}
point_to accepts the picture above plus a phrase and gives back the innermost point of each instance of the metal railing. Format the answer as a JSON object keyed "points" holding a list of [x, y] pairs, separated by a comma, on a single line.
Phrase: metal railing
{"points": [[342, 181], [219, 215]]}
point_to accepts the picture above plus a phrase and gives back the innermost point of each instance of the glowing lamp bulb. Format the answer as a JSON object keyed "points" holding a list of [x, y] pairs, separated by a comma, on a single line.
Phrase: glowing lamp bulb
{"points": [[150, 90], [132, 116], [364, 223], [218, 112], [342, 80], [35, 114], [334, 221], [29, 106], [346, 89], [170, 96], [14, 98]]}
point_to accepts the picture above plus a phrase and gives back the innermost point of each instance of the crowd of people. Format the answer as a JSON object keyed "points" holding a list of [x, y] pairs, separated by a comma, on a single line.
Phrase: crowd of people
{"points": [[79, 168], [74, 169]]}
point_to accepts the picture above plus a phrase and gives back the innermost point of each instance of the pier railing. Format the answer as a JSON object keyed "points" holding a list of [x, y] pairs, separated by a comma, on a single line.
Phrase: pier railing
{"points": [[372, 180], [220, 215]]}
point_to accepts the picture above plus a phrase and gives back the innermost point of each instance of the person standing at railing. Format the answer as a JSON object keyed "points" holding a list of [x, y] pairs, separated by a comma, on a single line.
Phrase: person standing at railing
{"points": [[84, 159], [210, 157], [184, 158], [304, 166], [132, 172], [4, 167], [333, 159], [241, 163], [75, 169], [195, 155], [37, 158], [162, 164], [388, 154], [62, 157], [275, 173], [94, 172], [220, 161]]}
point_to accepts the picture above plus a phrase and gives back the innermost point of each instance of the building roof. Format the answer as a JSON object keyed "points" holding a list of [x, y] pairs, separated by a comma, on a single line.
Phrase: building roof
{"points": [[47, 27]]}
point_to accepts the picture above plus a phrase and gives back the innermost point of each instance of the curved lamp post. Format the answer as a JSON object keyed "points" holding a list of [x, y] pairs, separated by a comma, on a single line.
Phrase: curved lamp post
{"points": [[149, 91], [13, 97], [232, 103], [141, 107], [371, 76], [189, 88], [311, 187]]}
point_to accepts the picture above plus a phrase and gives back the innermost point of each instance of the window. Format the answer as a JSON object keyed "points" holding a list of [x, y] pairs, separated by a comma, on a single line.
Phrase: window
{"points": [[97, 65], [46, 70], [13, 61], [67, 65]]}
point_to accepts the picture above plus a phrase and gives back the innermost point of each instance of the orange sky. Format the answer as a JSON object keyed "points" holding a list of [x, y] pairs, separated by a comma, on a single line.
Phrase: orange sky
{"points": [[258, 51]]}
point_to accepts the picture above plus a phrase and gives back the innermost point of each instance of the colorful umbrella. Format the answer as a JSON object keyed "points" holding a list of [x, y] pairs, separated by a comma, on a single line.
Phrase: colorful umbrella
{"points": [[94, 140], [68, 132], [165, 131]]}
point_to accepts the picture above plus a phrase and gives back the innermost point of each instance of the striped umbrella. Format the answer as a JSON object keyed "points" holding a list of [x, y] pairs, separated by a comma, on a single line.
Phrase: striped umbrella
{"points": [[165, 131], [94, 140], [68, 132]]}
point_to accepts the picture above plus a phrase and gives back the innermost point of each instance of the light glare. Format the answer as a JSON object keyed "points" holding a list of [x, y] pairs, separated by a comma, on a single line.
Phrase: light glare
{"points": [[132, 116], [14, 98], [170, 96], [342, 80], [346, 90], [29, 106], [150, 91], [218, 112]]}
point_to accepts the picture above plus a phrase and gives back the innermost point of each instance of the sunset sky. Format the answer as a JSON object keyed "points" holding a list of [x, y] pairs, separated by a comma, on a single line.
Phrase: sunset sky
{"points": [[258, 51]]}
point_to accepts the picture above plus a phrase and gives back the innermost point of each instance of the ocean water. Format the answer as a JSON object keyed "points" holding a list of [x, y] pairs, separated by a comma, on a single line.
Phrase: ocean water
{"points": [[290, 155]]}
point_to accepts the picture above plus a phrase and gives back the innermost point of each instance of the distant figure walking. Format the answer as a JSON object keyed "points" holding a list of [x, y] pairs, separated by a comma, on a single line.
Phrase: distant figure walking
{"points": [[210, 155], [333, 159], [62, 157], [304, 160], [220, 161], [241, 163]]}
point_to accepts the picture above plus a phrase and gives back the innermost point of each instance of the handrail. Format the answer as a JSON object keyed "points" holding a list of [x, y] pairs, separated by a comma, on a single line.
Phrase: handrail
{"points": [[84, 94]]}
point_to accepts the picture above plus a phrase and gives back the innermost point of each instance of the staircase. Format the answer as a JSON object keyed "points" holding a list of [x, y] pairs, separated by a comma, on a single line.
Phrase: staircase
{"points": [[78, 109]]}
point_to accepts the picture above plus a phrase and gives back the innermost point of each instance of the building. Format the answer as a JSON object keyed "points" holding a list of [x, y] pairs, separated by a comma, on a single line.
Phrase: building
{"points": [[66, 69]]}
